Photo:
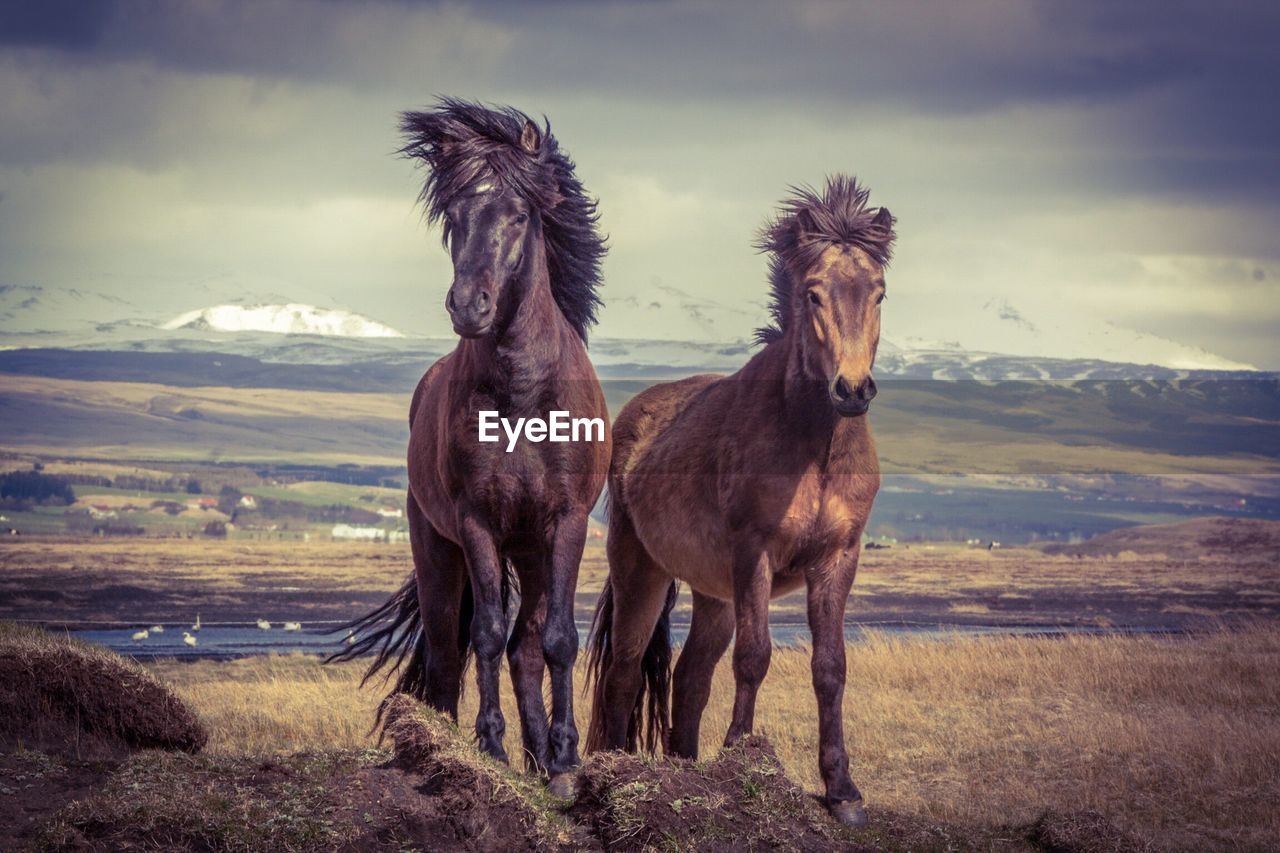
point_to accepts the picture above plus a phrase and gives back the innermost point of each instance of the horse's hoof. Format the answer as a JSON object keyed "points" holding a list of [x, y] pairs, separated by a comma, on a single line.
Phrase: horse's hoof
{"points": [[563, 785], [850, 813]]}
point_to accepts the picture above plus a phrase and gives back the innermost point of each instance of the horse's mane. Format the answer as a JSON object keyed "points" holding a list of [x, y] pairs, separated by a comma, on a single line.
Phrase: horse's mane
{"points": [[806, 225], [464, 143]]}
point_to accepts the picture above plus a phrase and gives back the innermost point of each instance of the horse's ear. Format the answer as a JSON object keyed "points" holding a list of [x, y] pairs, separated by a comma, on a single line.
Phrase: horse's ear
{"points": [[530, 138], [883, 219], [804, 222]]}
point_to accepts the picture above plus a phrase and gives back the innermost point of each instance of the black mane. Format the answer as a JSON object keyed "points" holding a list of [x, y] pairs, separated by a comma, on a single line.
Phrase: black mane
{"points": [[806, 225], [463, 143]]}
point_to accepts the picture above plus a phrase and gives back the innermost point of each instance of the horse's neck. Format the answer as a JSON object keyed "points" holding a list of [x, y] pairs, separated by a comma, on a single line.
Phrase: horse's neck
{"points": [[810, 422]]}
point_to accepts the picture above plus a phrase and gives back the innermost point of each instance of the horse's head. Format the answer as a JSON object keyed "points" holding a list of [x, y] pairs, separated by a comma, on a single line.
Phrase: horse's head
{"points": [[838, 321], [511, 207], [829, 256], [489, 239], [489, 229]]}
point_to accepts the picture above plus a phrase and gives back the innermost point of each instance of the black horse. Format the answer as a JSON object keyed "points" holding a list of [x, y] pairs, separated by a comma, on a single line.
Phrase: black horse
{"points": [[526, 263]]}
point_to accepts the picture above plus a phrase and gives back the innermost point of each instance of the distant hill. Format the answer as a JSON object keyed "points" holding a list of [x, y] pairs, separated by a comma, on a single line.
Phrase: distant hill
{"points": [[1236, 537]]}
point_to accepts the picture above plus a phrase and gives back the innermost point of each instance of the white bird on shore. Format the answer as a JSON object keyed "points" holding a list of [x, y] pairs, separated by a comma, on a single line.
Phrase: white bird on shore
{"points": [[293, 626], [264, 624], [157, 629], [188, 639], [196, 627], [139, 636], [351, 637]]}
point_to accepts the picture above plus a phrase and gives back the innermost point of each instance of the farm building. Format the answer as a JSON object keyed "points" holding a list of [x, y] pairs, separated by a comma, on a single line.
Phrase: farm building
{"points": [[359, 532]]}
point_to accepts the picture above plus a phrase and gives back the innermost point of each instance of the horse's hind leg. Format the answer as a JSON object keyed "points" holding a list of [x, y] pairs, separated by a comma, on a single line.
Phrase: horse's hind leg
{"points": [[709, 636], [441, 574], [639, 590], [524, 655]]}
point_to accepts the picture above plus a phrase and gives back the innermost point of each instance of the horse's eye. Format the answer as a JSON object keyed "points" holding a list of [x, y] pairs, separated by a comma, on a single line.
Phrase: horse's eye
{"points": [[814, 298], [522, 218], [880, 299]]}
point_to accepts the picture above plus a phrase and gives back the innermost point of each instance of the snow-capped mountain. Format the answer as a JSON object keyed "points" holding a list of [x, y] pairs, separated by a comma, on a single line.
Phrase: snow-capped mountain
{"points": [[1040, 331], [290, 319]]}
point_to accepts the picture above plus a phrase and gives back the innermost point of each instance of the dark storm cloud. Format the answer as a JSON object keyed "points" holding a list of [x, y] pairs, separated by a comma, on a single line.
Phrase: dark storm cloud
{"points": [[945, 56], [62, 24], [1194, 79]]}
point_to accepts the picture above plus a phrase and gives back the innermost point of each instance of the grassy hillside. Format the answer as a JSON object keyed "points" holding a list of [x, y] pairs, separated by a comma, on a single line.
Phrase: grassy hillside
{"points": [[1198, 539], [144, 421]]}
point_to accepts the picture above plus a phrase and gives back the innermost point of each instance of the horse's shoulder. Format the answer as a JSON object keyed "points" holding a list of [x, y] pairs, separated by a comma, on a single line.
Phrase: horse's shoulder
{"points": [[425, 383]]}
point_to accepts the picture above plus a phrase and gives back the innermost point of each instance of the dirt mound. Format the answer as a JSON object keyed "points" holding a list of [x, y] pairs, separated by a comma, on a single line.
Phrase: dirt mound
{"points": [[1080, 832], [69, 697], [741, 800], [435, 791], [452, 797], [1185, 540]]}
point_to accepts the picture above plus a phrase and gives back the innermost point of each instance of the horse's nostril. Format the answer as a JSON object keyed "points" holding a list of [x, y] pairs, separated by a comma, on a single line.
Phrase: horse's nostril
{"points": [[482, 300], [449, 301], [867, 390], [842, 389]]}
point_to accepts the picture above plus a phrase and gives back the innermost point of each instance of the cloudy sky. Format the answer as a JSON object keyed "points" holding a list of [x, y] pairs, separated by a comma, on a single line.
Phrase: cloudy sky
{"points": [[1116, 163]]}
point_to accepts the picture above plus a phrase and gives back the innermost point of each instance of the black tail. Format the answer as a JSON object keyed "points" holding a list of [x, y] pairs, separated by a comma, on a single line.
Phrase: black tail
{"points": [[655, 667], [393, 635]]}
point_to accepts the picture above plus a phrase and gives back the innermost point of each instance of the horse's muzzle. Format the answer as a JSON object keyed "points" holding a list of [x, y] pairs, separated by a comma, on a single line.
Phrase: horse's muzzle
{"points": [[472, 317], [850, 401]]}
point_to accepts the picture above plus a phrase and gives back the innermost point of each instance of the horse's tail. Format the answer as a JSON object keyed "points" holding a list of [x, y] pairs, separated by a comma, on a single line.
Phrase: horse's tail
{"points": [[393, 634], [655, 669]]}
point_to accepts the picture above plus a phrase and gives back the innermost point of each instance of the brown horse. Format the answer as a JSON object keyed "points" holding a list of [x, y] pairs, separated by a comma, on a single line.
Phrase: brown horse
{"points": [[526, 254], [747, 487]]}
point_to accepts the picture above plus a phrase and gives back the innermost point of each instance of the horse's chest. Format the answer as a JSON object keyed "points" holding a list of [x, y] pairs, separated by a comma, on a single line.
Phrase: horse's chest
{"points": [[514, 483], [819, 520]]}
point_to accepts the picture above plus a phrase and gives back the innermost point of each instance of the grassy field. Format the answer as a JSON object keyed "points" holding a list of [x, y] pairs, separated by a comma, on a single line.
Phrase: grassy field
{"points": [[1176, 741]]}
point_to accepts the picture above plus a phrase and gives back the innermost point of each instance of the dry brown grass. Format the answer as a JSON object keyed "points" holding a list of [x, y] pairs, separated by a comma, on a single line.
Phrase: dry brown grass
{"points": [[1176, 740]]}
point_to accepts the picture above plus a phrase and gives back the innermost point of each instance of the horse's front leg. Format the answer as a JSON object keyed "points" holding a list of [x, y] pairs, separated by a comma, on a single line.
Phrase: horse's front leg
{"points": [[752, 582], [828, 590], [560, 647], [524, 656], [488, 627]]}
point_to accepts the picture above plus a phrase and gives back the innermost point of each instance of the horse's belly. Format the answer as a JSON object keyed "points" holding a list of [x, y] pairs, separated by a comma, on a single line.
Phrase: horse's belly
{"points": [[684, 555], [707, 570], [685, 539]]}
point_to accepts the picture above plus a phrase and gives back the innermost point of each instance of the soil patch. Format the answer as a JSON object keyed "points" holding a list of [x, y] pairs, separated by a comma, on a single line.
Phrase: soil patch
{"points": [[34, 784], [741, 800]]}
